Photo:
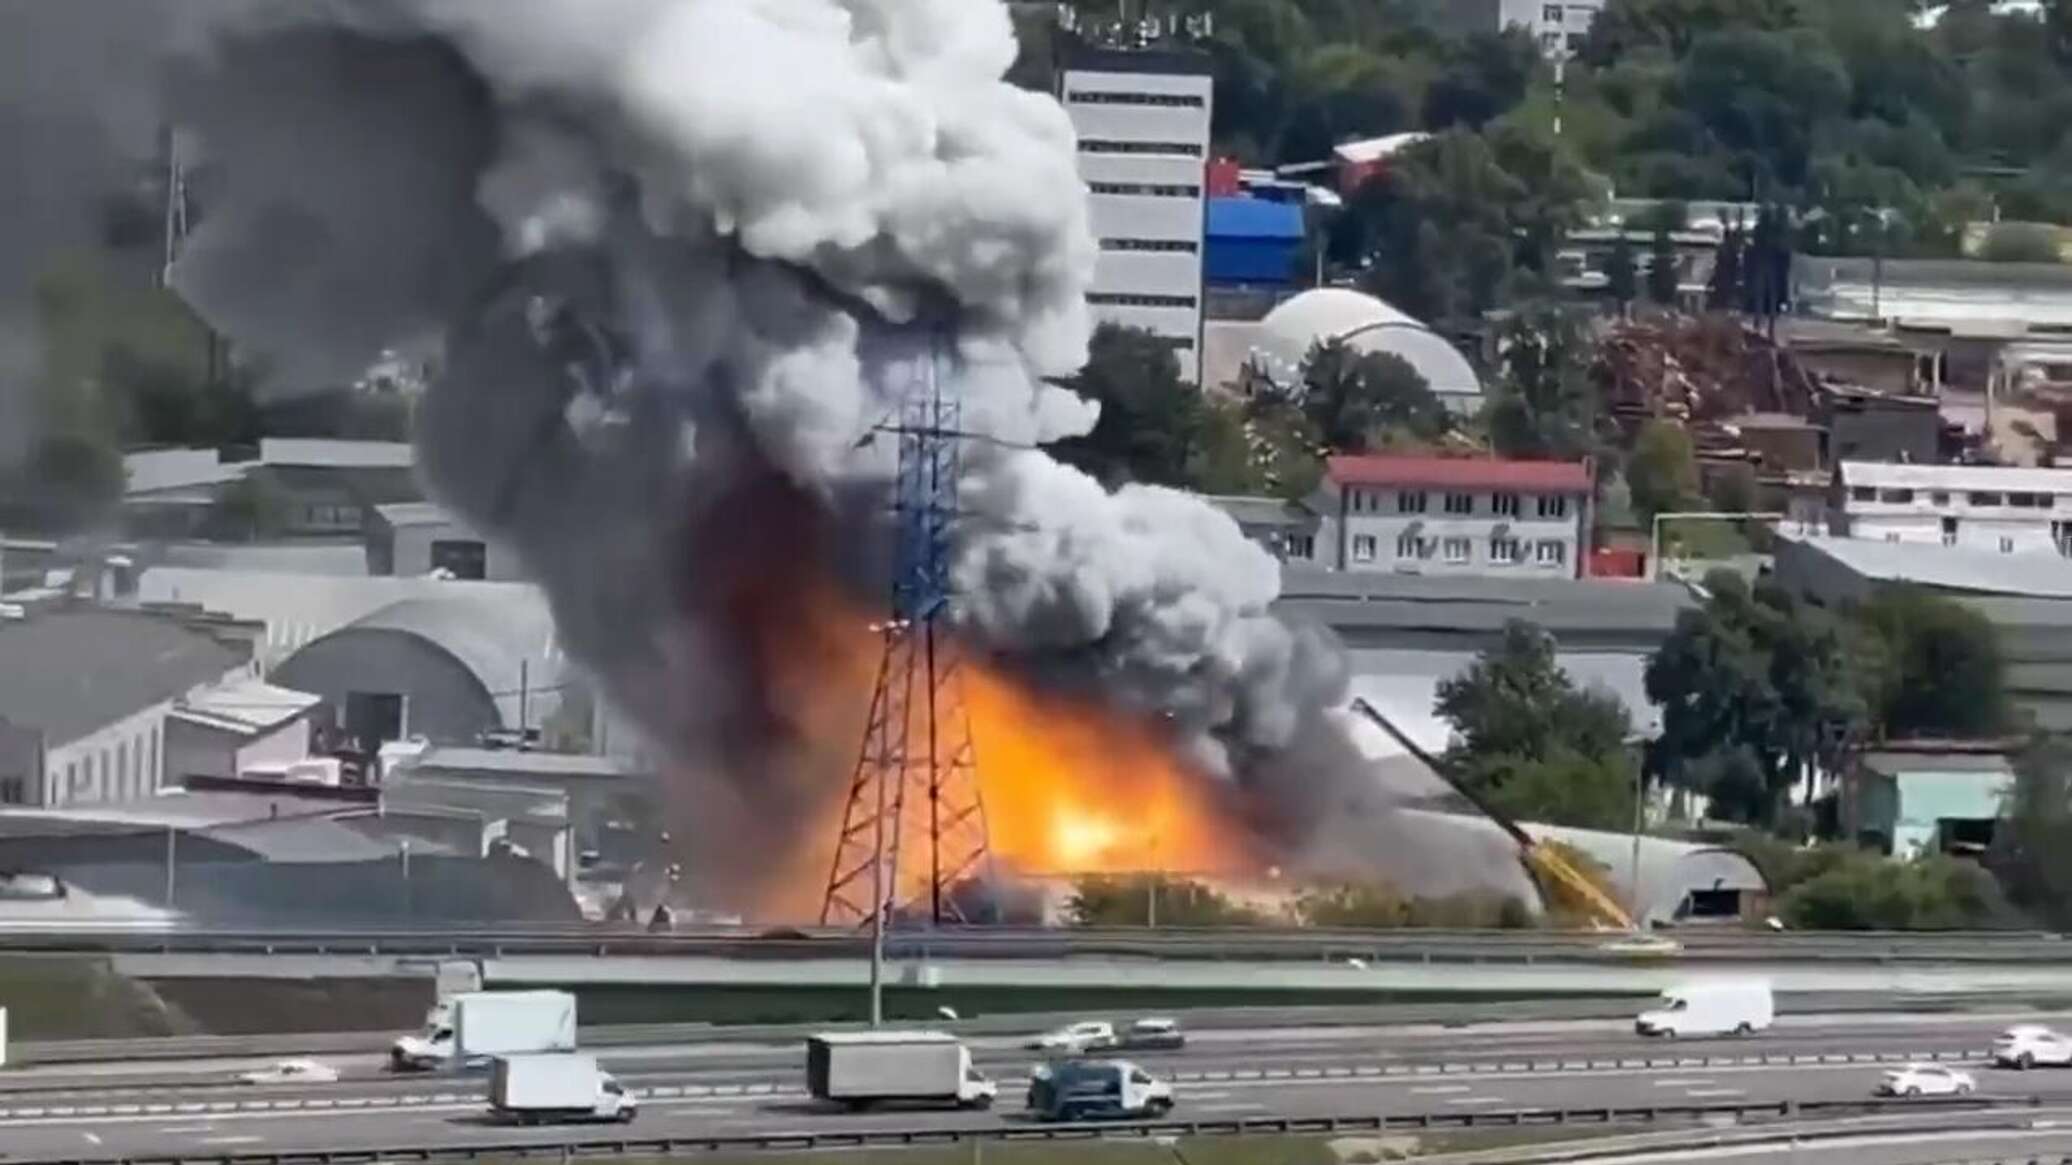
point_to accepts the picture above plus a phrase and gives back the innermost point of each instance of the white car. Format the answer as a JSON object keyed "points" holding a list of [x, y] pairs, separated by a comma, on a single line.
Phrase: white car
{"points": [[2029, 1045], [1926, 1080], [1074, 1039], [292, 1072]]}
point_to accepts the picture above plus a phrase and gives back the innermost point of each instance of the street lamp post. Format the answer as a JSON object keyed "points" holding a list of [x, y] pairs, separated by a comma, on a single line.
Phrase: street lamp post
{"points": [[1655, 530]]}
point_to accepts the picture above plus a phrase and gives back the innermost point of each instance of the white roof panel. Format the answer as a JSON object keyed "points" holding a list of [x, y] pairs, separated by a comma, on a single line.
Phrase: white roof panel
{"points": [[2002, 478]]}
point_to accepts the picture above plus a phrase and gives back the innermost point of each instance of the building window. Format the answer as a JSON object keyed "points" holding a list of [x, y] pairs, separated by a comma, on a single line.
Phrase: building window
{"points": [[1303, 546], [1363, 548], [1186, 246], [122, 769], [1145, 189], [1505, 550], [1121, 299], [1940, 497], [1553, 506], [461, 558], [1550, 553], [1551, 13], [14, 791], [1550, 41], [1460, 503], [1457, 550], [1098, 97], [1981, 497], [2028, 501], [72, 779], [1409, 546], [1896, 496], [151, 779], [1504, 505], [1105, 146], [1410, 502], [2007, 546]]}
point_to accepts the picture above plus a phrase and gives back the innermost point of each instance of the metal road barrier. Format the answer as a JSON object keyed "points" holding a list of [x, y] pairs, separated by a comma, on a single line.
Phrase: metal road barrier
{"points": [[1610, 1116], [1425, 946], [198, 1099]]}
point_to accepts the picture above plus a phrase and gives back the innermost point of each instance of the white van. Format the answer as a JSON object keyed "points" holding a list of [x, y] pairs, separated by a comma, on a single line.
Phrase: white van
{"points": [[1718, 1008]]}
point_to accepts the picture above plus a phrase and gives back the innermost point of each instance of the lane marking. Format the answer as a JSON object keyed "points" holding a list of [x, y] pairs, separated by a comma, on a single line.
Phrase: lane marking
{"points": [[1478, 1100], [231, 1140], [1234, 1107], [1680, 1083], [1713, 1093], [1440, 1089], [92, 1138]]}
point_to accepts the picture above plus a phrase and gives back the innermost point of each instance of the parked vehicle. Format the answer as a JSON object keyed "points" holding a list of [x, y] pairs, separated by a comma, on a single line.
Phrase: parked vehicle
{"points": [[1077, 1038], [1716, 1008], [1150, 1034], [291, 1072], [2031, 1045], [471, 1028], [860, 1069], [1926, 1080], [1072, 1090], [557, 1086]]}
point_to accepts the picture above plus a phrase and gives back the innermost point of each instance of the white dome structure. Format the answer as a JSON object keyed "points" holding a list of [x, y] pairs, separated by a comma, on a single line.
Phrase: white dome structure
{"points": [[1367, 324]]}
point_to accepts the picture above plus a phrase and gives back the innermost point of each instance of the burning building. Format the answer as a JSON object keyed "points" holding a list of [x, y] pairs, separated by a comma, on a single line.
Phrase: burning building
{"points": [[685, 258]]}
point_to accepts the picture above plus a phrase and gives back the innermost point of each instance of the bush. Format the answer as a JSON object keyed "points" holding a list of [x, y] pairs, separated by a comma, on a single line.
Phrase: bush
{"points": [[1126, 900], [1866, 892], [1367, 905]]}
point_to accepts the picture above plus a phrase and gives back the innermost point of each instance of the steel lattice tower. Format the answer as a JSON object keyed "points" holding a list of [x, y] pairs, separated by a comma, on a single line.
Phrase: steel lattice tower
{"points": [[916, 777]]}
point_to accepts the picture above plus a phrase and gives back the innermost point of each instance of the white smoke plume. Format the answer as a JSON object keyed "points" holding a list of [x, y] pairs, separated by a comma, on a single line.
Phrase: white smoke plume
{"points": [[685, 255]]}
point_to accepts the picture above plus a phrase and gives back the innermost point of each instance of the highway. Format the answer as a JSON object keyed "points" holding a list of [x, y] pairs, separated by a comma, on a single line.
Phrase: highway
{"points": [[738, 1090]]}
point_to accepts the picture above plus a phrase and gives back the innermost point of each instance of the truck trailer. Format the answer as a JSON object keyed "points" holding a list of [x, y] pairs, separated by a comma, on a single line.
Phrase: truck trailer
{"points": [[556, 1086], [860, 1069], [470, 1028]]}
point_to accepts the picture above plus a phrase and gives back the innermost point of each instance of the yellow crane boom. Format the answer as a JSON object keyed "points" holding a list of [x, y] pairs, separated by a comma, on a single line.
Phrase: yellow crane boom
{"points": [[1558, 878]]}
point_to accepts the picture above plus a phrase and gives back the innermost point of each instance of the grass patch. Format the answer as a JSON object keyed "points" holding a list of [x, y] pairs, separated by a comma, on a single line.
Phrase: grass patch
{"points": [[61, 997]]}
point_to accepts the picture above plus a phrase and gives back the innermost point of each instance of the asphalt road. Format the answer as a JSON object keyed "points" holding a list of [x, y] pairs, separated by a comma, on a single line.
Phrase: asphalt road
{"points": [[452, 1118], [1512, 1046]]}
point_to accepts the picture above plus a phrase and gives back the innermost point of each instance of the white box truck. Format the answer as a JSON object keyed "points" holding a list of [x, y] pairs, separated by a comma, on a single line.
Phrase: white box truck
{"points": [[1738, 1007], [860, 1069], [556, 1086], [470, 1028]]}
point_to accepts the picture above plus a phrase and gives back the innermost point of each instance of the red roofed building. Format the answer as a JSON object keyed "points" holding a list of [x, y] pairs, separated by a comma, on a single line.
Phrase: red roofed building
{"points": [[1455, 515]]}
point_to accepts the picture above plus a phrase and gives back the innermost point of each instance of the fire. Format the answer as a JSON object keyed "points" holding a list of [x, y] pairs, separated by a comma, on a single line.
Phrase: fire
{"points": [[1074, 787]]}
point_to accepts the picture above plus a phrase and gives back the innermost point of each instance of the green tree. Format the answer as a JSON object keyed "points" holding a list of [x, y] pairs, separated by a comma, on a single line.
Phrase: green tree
{"points": [[1756, 688], [1355, 400], [1150, 418], [1532, 742], [2030, 845], [1662, 471], [1866, 892], [1544, 404], [1145, 899], [1368, 906], [1723, 289], [1946, 675], [1621, 274]]}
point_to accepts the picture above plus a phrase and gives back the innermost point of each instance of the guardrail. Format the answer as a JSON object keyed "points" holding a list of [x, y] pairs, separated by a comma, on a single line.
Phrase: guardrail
{"points": [[853, 1138], [495, 940]]}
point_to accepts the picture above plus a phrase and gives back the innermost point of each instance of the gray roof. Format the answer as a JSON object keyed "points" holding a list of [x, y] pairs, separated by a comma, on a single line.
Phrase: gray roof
{"points": [[1893, 763], [505, 639], [1356, 599], [2024, 574], [1251, 511], [70, 672], [340, 558], [399, 514], [329, 453], [1403, 684], [513, 762]]}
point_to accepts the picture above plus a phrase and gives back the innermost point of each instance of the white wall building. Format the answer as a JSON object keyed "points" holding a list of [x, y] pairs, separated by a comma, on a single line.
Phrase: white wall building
{"points": [[419, 538], [1454, 516], [1987, 507], [1142, 119], [248, 728]]}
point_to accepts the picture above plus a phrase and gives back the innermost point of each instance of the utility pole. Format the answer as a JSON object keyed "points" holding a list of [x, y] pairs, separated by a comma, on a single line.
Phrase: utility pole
{"points": [[172, 863], [1640, 921]]}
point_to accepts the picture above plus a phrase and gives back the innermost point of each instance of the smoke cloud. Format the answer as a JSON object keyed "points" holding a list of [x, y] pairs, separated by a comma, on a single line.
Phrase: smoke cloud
{"points": [[685, 256]]}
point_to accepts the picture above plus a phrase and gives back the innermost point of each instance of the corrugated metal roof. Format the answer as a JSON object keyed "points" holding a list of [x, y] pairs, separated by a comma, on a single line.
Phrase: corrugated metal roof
{"points": [[328, 453], [2028, 574], [1460, 473], [520, 764], [246, 706], [1248, 511], [69, 672]]}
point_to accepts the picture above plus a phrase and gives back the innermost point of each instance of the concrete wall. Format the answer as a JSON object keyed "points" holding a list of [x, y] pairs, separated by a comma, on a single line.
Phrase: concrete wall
{"points": [[410, 550], [123, 761], [1439, 532]]}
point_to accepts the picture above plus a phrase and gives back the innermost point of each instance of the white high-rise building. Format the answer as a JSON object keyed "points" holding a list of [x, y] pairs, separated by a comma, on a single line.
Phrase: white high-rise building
{"points": [[1142, 118]]}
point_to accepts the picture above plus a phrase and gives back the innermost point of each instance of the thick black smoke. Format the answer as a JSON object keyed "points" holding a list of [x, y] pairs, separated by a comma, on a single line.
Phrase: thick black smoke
{"points": [[685, 256]]}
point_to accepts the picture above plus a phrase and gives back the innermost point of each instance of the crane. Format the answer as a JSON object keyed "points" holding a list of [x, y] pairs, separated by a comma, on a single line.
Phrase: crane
{"points": [[1552, 869]]}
